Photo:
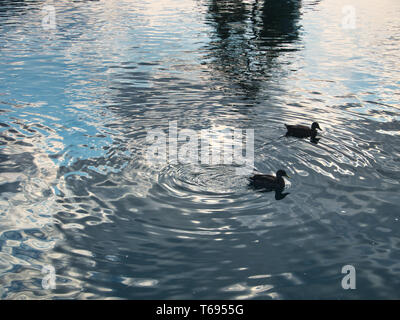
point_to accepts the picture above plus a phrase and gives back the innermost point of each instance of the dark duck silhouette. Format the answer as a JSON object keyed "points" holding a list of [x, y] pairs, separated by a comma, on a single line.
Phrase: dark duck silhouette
{"points": [[300, 131], [268, 183]]}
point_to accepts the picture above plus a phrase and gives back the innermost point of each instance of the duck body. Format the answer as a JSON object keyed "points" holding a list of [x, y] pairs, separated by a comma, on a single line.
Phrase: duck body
{"points": [[269, 182], [301, 131], [266, 181]]}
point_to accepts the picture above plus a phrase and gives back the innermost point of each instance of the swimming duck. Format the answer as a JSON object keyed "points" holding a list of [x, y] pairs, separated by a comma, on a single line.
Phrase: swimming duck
{"points": [[301, 131], [269, 182]]}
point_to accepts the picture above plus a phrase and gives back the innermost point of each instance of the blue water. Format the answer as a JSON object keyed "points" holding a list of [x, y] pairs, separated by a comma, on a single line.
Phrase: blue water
{"points": [[77, 193]]}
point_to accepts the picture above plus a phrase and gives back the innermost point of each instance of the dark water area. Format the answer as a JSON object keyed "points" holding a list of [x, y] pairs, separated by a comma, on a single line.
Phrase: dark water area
{"points": [[76, 192]]}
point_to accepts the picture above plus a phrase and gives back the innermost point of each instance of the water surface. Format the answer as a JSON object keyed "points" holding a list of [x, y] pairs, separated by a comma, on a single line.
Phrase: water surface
{"points": [[77, 193]]}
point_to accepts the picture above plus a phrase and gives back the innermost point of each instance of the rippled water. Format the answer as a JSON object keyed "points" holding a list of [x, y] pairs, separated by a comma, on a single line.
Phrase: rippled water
{"points": [[76, 191]]}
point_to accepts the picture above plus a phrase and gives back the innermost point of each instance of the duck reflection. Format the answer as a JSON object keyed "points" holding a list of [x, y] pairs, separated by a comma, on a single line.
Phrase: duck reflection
{"points": [[279, 194], [314, 140]]}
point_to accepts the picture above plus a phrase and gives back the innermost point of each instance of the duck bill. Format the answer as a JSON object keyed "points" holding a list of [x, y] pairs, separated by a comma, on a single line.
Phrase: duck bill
{"points": [[287, 176]]}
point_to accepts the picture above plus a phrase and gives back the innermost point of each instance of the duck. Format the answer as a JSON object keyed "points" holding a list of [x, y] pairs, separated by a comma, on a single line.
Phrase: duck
{"points": [[269, 182], [300, 131]]}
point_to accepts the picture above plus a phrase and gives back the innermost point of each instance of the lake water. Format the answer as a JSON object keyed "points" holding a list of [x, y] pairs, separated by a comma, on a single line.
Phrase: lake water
{"points": [[81, 89]]}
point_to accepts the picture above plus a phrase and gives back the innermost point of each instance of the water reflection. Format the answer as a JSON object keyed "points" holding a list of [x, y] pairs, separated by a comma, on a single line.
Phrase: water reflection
{"points": [[248, 37], [8, 7], [280, 23]]}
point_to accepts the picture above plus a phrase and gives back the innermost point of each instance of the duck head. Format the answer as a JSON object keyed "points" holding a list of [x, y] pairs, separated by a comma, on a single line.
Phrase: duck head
{"points": [[315, 126], [281, 173]]}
